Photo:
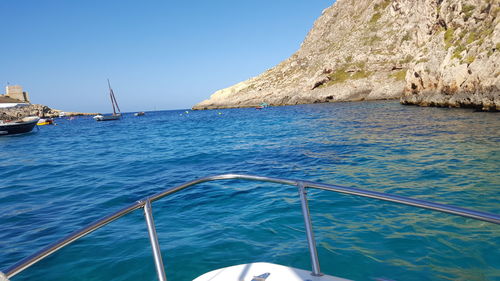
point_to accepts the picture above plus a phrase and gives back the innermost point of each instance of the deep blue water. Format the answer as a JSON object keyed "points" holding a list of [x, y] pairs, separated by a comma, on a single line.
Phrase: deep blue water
{"points": [[63, 177]]}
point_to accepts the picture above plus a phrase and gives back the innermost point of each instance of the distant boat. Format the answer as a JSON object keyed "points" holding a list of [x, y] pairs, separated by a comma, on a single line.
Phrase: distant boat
{"points": [[262, 105], [22, 126], [139, 113], [114, 103]]}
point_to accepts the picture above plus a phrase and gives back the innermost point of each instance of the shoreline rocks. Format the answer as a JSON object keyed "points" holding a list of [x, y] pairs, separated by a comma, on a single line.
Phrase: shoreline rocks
{"points": [[19, 112]]}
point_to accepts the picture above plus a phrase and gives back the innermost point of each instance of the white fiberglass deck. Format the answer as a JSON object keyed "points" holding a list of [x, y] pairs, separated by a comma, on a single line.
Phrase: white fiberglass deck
{"points": [[263, 271]]}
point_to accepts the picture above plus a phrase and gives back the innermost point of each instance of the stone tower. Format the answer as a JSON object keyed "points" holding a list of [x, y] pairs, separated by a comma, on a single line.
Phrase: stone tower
{"points": [[16, 92]]}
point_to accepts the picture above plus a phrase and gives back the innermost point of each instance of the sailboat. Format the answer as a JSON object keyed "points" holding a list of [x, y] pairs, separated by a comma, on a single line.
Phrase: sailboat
{"points": [[114, 103]]}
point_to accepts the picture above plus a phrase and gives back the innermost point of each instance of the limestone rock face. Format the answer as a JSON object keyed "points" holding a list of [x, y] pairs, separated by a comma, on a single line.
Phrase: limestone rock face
{"points": [[426, 52], [463, 65]]}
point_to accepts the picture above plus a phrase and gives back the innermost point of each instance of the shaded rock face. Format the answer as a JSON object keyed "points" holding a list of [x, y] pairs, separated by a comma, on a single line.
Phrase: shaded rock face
{"points": [[15, 113], [385, 49]]}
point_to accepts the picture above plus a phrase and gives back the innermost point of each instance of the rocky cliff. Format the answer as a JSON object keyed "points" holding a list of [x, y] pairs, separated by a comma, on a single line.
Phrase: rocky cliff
{"points": [[426, 52], [462, 59]]}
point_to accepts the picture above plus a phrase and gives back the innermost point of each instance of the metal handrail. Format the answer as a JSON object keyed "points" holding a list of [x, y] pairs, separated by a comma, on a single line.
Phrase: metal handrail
{"points": [[302, 185]]}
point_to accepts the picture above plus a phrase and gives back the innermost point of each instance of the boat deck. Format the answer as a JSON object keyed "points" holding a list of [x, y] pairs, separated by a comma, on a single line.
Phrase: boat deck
{"points": [[263, 271]]}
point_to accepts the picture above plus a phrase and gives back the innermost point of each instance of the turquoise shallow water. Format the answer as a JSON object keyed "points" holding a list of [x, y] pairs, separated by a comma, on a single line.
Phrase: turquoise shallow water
{"points": [[63, 177]]}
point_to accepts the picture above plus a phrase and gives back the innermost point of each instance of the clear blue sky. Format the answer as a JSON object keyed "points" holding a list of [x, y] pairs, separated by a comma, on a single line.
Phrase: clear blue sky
{"points": [[157, 54]]}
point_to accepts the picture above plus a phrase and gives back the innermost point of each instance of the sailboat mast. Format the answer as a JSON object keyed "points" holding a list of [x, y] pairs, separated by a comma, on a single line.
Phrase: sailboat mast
{"points": [[111, 97], [116, 103]]}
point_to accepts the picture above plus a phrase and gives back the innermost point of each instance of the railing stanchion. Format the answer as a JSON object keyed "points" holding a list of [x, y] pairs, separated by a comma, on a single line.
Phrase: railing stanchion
{"points": [[309, 231], [148, 214]]}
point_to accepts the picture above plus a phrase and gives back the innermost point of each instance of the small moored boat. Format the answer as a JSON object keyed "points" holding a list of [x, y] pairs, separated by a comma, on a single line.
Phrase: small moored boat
{"points": [[45, 121], [139, 113], [107, 117], [22, 126], [262, 105]]}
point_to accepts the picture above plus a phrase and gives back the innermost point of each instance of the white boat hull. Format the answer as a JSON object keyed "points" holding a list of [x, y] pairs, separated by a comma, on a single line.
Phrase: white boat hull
{"points": [[107, 117], [263, 271]]}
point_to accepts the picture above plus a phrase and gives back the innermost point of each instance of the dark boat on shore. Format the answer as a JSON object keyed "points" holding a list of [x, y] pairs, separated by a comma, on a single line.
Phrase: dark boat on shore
{"points": [[22, 126]]}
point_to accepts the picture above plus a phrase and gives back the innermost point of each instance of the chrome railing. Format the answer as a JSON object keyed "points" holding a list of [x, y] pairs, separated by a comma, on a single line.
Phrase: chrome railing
{"points": [[302, 188]]}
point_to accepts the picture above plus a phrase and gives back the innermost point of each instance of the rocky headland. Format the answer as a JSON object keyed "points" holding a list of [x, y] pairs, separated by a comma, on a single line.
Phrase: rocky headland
{"points": [[423, 52], [19, 112]]}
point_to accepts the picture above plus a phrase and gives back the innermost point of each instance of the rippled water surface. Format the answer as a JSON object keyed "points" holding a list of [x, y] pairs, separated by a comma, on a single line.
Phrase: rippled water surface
{"points": [[63, 177]]}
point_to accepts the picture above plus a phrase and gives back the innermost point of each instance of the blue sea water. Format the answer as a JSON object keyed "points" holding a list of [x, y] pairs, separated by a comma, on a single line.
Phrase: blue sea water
{"points": [[60, 178]]}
